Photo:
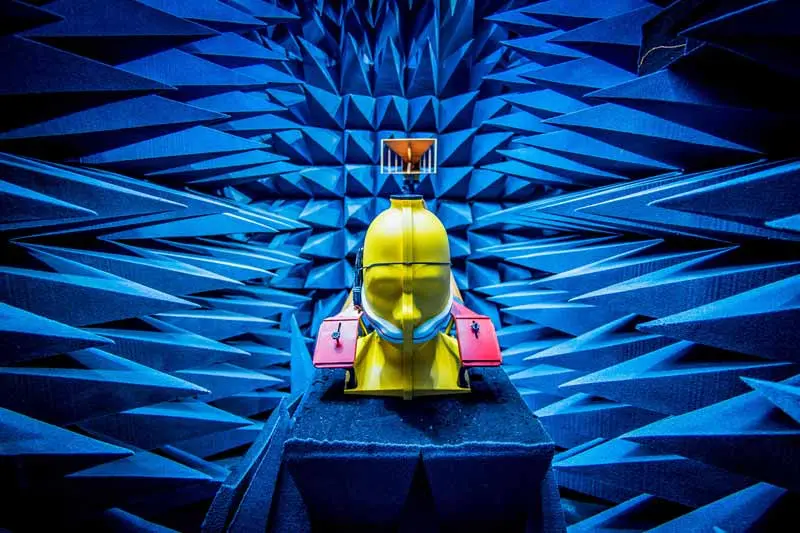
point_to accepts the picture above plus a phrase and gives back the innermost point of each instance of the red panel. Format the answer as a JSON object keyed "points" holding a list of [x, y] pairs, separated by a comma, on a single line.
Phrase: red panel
{"points": [[331, 352], [477, 339]]}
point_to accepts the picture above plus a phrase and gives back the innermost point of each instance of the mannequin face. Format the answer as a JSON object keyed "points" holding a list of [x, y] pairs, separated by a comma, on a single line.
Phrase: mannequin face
{"points": [[407, 295], [406, 276]]}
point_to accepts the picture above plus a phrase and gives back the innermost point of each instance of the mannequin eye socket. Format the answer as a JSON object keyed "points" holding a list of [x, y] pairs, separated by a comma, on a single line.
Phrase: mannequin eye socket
{"points": [[435, 273], [386, 286], [430, 286], [384, 281]]}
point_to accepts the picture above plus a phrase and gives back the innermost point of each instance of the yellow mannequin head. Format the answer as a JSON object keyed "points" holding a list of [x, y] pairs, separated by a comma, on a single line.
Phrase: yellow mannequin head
{"points": [[406, 277]]}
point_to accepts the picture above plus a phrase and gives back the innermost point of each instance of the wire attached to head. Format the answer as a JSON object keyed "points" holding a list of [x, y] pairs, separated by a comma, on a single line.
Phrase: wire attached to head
{"points": [[359, 278]]}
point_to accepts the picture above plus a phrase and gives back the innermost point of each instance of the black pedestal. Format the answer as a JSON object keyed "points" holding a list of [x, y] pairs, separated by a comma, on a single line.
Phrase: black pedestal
{"points": [[473, 462]]}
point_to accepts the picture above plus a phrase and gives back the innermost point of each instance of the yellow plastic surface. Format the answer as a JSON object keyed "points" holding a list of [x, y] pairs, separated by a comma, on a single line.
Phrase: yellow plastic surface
{"points": [[398, 284], [433, 368], [407, 281]]}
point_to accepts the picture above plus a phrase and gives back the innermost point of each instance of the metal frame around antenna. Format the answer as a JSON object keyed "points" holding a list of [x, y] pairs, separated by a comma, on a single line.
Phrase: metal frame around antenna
{"points": [[434, 147]]}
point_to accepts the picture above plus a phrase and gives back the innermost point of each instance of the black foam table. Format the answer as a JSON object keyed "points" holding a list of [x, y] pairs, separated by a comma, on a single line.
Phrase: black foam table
{"points": [[473, 462]]}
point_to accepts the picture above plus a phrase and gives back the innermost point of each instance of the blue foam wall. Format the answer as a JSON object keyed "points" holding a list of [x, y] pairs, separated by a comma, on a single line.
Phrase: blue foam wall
{"points": [[184, 185]]}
